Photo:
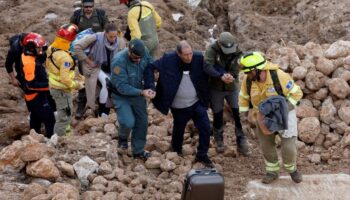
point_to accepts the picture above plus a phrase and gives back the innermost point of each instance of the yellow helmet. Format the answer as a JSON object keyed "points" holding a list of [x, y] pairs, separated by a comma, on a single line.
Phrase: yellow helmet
{"points": [[252, 60]]}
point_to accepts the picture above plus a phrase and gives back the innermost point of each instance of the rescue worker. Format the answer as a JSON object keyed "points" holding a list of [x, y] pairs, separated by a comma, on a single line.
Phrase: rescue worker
{"points": [[143, 23], [14, 58], [222, 67], [263, 77], [36, 84], [129, 96], [87, 17], [60, 67], [103, 47], [182, 87]]}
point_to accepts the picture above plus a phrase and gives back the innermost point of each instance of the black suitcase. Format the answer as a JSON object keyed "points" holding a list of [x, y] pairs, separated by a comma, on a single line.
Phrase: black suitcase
{"points": [[204, 184]]}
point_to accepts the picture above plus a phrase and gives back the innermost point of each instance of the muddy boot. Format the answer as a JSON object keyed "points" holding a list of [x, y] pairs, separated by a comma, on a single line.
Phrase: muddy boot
{"points": [[270, 177], [219, 139], [296, 176], [81, 101], [242, 144]]}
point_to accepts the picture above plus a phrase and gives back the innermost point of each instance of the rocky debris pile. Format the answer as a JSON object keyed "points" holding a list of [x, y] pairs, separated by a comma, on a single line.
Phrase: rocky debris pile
{"points": [[323, 73], [88, 166]]}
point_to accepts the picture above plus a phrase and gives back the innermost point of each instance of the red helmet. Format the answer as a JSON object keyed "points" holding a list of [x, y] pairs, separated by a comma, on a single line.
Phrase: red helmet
{"points": [[68, 31], [123, 1], [33, 39]]}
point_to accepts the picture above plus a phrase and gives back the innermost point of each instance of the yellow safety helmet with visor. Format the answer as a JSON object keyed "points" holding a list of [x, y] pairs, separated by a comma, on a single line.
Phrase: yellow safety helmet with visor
{"points": [[252, 60]]}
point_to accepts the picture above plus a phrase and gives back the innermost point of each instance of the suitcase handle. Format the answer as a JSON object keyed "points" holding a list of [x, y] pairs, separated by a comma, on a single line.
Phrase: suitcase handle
{"points": [[205, 171]]}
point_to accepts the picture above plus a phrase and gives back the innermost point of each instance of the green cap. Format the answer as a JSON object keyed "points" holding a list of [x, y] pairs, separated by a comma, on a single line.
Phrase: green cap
{"points": [[227, 43], [137, 47]]}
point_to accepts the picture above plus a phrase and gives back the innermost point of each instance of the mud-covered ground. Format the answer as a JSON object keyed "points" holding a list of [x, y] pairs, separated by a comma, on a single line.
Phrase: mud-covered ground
{"points": [[256, 24]]}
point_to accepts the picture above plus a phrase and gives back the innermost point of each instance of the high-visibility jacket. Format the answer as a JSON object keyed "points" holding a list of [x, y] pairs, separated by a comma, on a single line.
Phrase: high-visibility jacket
{"points": [[261, 91], [35, 77], [144, 27], [60, 69]]}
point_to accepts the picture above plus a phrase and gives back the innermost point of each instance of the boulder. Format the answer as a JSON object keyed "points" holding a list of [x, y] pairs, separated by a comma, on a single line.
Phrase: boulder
{"points": [[43, 168], [84, 167], [309, 128]]}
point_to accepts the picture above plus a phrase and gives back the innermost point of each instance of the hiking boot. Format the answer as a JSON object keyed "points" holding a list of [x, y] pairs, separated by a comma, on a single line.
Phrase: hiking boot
{"points": [[123, 144], [205, 161], [80, 110], [269, 177], [243, 147], [219, 139], [296, 176], [143, 155]]}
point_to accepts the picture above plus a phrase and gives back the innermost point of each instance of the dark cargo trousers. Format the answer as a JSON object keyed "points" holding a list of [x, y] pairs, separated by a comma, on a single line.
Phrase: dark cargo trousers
{"points": [[198, 114]]}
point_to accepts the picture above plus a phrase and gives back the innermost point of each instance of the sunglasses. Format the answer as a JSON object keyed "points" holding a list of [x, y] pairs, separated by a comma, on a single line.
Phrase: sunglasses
{"points": [[88, 6]]}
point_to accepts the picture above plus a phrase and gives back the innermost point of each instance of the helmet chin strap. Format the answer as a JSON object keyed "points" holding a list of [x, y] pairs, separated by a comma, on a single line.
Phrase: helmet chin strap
{"points": [[257, 75]]}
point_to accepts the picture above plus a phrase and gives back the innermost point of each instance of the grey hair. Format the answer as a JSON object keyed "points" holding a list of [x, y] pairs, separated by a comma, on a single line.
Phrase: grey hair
{"points": [[181, 45]]}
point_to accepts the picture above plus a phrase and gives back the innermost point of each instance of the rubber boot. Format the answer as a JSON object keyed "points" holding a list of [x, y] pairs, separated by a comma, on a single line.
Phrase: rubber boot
{"points": [[242, 144], [296, 176], [241, 140], [81, 101], [270, 177], [219, 139]]}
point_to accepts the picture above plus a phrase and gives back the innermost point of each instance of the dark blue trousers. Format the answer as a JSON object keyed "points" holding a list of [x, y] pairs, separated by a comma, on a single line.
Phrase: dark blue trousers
{"points": [[198, 113], [42, 111]]}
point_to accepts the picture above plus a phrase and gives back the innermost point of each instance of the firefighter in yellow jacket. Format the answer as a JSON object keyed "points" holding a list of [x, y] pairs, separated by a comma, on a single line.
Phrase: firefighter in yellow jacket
{"points": [[60, 67], [143, 23], [264, 79]]}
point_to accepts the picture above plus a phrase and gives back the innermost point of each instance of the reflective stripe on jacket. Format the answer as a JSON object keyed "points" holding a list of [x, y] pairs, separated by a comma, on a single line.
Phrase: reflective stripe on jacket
{"points": [[61, 78], [261, 91]]}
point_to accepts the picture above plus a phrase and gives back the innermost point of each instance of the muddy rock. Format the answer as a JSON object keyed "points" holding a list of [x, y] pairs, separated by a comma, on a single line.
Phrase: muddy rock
{"points": [[153, 163], [339, 87], [299, 73], [43, 168], [110, 196], [344, 114], [105, 168], [187, 150], [110, 129], [328, 111], [10, 157], [338, 49], [309, 128], [314, 80], [306, 111], [92, 195], [167, 165], [36, 151], [100, 180], [84, 167], [325, 66], [321, 94], [70, 192], [33, 190], [66, 168], [98, 187]]}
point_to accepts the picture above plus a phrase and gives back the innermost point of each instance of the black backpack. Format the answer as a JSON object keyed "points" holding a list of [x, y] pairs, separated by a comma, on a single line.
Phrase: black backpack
{"points": [[276, 85], [100, 15]]}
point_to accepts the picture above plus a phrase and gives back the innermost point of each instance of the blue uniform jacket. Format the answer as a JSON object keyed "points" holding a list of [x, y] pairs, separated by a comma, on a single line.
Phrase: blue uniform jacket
{"points": [[170, 76], [127, 77]]}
